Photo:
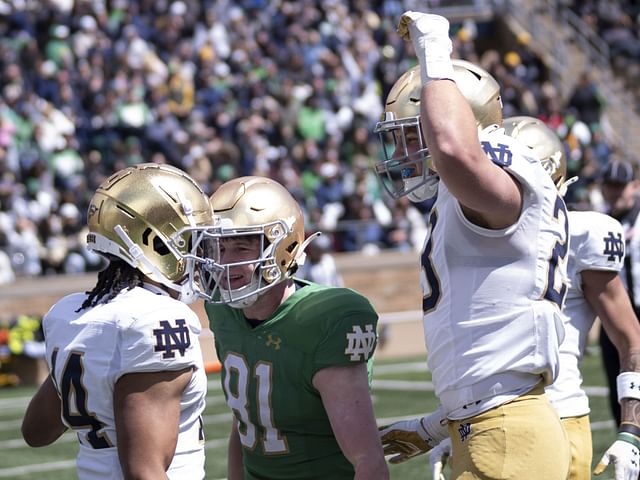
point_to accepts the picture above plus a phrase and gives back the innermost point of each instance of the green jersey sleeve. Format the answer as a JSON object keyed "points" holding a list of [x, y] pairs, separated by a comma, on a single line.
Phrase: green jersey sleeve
{"points": [[349, 334]]}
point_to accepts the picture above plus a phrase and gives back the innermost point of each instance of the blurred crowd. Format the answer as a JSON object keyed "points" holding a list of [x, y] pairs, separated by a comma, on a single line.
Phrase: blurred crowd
{"points": [[221, 88], [618, 24]]}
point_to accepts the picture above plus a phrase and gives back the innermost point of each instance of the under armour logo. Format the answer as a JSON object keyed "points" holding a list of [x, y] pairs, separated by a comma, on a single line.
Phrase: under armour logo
{"points": [[499, 154], [169, 339], [464, 430], [613, 247], [361, 343], [273, 341]]}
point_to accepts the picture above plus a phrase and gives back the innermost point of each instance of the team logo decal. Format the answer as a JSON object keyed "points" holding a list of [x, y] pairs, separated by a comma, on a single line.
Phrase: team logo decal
{"points": [[634, 386], [464, 430], [361, 343], [613, 247], [499, 154], [170, 339], [275, 342]]}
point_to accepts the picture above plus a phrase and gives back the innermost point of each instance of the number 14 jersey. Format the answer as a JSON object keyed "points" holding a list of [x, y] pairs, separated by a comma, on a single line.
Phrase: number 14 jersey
{"points": [[88, 351]]}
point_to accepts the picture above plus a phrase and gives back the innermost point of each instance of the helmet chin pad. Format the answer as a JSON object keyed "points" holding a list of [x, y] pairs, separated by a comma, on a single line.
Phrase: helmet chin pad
{"points": [[242, 297], [427, 188]]}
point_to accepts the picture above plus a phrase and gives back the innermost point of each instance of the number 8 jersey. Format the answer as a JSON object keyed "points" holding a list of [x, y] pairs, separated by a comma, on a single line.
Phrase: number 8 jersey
{"points": [[88, 351], [492, 298]]}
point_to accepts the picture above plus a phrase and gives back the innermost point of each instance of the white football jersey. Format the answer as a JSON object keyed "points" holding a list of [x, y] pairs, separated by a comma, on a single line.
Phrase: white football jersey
{"points": [[596, 243], [492, 298], [88, 351]]}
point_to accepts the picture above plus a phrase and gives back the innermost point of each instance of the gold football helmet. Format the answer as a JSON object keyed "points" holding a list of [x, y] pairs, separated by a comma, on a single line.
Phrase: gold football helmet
{"points": [[149, 215], [410, 171], [544, 142], [260, 207]]}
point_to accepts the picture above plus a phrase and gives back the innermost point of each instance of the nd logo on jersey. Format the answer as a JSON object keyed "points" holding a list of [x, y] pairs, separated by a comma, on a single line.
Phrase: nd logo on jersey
{"points": [[170, 339], [499, 154], [361, 343], [613, 247]]}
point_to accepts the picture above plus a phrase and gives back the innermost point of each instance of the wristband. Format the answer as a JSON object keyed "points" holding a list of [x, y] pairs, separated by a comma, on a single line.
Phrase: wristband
{"points": [[433, 47], [628, 427], [435, 64], [628, 384], [435, 425], [629, 438]]}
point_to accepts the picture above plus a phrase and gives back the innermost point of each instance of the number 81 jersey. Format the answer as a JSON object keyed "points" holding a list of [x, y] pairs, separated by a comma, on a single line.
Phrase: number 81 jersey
{"points": [[267, 378], [88, 351], [492, 298]]}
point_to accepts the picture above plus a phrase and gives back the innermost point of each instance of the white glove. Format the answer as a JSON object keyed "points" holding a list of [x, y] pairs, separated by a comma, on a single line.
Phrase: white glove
{"points": [[409, 438], [625, 457], [429, 34], [438, 458]]}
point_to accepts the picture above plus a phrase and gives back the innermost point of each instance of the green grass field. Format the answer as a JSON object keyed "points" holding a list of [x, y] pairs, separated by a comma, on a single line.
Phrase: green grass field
{"points": [[401, 388]]}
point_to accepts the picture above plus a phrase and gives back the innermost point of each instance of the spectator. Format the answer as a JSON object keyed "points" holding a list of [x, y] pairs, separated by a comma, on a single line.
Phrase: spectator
{"points": [[586, 100], [320, 266], [277, 90]]}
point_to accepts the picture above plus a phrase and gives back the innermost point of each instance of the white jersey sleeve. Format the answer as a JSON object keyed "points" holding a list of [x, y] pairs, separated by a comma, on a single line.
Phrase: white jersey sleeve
{"points": [[160, 339], [597, 242]]}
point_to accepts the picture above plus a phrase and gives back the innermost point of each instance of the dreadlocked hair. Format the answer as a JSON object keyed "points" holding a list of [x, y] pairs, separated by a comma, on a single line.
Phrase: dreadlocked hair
{"points": [[116, 277]]}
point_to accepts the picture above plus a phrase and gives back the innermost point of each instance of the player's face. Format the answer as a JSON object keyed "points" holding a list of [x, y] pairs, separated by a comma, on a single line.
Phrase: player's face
{"points": [[240, 253], [409, 146]]}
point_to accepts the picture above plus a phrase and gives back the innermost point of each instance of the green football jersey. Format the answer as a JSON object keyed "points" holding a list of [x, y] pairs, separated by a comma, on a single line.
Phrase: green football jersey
{"points": [[267, 378]]}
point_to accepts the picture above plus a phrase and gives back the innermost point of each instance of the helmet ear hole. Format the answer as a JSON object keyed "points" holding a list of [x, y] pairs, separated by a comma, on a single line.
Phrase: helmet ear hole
{"points": [[145, 236], [159, 246], [292, 247]]}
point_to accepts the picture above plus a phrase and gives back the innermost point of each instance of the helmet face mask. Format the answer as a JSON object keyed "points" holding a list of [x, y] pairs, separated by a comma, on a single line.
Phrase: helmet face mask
{"points": [[257, 241], [403, 169], [153, 217], [256, 270], [407, 167]]}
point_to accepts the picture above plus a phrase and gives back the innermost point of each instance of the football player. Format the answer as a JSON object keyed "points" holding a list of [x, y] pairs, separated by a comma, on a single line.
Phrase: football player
{"points": [[295, 354], [127, 373], [493, 267], [596, 256]]}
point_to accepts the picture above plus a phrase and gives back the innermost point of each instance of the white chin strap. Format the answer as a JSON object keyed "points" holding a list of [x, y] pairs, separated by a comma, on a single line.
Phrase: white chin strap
{"points": [[562, 189], [427, 190], [187, 293]]}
